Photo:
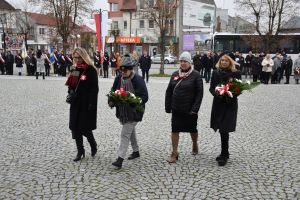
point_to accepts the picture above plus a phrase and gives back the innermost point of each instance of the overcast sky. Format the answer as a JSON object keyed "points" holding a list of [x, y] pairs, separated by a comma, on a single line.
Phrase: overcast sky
{"points": [[225, 4]]}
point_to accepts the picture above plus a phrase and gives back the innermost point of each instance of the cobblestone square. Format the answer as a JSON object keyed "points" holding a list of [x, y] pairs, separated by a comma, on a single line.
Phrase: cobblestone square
{"points": [[36, 147]]}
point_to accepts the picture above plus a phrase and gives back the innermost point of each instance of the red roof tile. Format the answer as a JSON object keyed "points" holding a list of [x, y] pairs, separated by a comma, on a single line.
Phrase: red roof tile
{"points": [[42, 19]]}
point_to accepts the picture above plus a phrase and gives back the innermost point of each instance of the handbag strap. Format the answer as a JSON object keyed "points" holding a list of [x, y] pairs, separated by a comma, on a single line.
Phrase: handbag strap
{"points": [[79, 80], [177, 84]]}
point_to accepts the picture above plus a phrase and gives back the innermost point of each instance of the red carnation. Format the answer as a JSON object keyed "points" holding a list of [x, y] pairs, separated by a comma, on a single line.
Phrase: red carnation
{"points": [[230, 84], [237, 89], [123, 92]]}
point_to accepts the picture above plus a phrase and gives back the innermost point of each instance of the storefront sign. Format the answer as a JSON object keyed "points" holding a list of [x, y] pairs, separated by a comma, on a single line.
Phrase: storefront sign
{"points": [[128, 40]]}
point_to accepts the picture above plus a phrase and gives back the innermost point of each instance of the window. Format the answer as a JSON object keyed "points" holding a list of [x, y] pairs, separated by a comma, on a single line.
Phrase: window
{"points": [[114, 7], [42, 31], [151, 23], [142, 24], [142, 4], [115, 25], [151, 3], [125, 25]]}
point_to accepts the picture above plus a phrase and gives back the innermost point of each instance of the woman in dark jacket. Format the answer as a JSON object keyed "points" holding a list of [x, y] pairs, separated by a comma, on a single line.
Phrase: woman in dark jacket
{"points": [[224, 111], [83, 110], [288, 69], [105, 64], [19, 63], [183, 99], [128, 115], [256, 67]]}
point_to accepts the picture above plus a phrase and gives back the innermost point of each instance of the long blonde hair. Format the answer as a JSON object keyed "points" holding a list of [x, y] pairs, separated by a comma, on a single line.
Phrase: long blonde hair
{"points": [[84, 55], [231, 66]]}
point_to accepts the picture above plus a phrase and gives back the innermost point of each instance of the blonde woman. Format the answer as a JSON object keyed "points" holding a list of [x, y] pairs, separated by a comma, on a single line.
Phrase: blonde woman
{"points": [[267, 65], [83, 80], [223, 113]]}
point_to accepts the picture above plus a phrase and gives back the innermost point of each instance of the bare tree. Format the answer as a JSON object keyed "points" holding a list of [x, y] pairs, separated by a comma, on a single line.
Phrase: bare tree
{"points": [[67, 13], [268, 16], [162, 13]]}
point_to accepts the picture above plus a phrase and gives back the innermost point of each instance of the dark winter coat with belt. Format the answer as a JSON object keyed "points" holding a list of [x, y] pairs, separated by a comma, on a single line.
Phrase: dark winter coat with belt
{"points": [[83, 111], [256, 65], [186, 96], [19, 61], [140, 90], [145, 62], [224, 112]]}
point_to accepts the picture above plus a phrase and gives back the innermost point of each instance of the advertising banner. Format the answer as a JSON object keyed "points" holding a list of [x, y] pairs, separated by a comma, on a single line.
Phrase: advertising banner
{"points": [[198, 14], [188, 42]]}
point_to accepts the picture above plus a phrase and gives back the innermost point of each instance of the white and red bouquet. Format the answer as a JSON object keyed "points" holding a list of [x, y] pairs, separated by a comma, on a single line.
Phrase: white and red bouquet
{"points": [[125, 98], [233, 88]]}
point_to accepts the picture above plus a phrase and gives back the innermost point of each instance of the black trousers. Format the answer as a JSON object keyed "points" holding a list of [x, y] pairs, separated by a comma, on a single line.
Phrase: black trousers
{"points": [[224, 143], [207, 73], [105, 70], [255, 77], [145, 72], [2, 68]]}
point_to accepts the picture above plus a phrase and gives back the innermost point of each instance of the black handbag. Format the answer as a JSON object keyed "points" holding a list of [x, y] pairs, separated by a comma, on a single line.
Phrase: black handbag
{"points": [[72, 94]]}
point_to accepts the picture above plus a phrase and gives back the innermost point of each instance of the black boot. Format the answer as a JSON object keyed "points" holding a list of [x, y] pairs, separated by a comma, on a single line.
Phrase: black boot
{"points": [[80, 149], [224, 156], [118, 162], [36, 75], [134, 155], [93, 144], [43, 75], [20, 73]]}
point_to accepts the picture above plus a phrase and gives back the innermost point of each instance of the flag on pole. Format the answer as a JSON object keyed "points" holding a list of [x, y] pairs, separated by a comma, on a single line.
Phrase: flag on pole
{"points": [[24, 51]]}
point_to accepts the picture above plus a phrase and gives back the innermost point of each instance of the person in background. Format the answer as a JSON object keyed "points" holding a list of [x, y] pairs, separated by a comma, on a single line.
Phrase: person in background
{"points": [[297, 66], [288, 69], [255, 67], [62, 64], [248, 61], [97, 62], [118, 63], [197, 63], [128, 115], [135, 59], [105, 65], [267, 65], [183, 99], [69, 61], [2, 63], [223, 113], [277, 64], [145, 65], [9, 63], [47, 63], [83, 109], [208, 65], [113, 64], [19, 62], [40, 64], [33, 64]]}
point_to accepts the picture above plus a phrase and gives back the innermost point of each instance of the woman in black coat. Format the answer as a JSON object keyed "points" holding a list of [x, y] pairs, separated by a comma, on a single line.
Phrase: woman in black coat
{"points": [[256, 67], [224, 111], [83, 110], [183, 99]]}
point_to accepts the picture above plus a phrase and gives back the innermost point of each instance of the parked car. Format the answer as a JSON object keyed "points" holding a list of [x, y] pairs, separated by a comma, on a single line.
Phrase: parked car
{"points": [[168, 58]]}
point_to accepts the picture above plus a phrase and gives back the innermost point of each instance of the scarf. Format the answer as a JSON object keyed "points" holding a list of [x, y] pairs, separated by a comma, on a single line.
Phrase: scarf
{"points": [[184, 73], [126, 112]]}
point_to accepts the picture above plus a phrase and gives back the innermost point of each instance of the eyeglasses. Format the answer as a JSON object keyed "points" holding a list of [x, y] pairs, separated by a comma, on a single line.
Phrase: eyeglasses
{"points": [[76, 57]]}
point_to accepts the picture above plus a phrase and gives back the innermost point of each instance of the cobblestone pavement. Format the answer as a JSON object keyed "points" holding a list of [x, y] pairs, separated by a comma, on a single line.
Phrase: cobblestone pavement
{"points": [[36, 148]]}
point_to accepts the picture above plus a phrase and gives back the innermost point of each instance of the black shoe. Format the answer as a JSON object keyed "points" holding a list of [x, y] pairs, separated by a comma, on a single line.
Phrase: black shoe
{"points": [[118, 162], [79, 155], [219, 156], [222, 161], [134, 155], [93, 152]]}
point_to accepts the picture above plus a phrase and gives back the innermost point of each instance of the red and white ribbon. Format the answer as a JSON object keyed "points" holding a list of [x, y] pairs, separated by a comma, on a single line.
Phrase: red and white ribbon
{"points": [[224, 89]]}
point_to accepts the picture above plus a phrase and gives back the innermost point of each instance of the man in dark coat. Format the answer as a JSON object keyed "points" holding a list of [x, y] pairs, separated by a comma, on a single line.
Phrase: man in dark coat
{"points": [[105, 65], [2, 63], [128, 115], [208, 63], [197, 63], [9, 63], [145, 64], [247, 68], [256, 67], [288, 69]]}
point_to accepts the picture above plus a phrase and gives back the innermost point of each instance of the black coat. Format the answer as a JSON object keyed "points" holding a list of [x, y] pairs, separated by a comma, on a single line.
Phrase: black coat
{"points": [[83, 112], [145, 62], [187, 96], [197, 63], [223, 113], [140, 90], [256, 66]]}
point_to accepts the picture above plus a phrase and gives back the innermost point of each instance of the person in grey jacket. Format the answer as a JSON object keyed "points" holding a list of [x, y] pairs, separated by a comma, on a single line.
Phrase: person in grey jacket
{"points": [[277, 64], [128, 115], [297, 66]]}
